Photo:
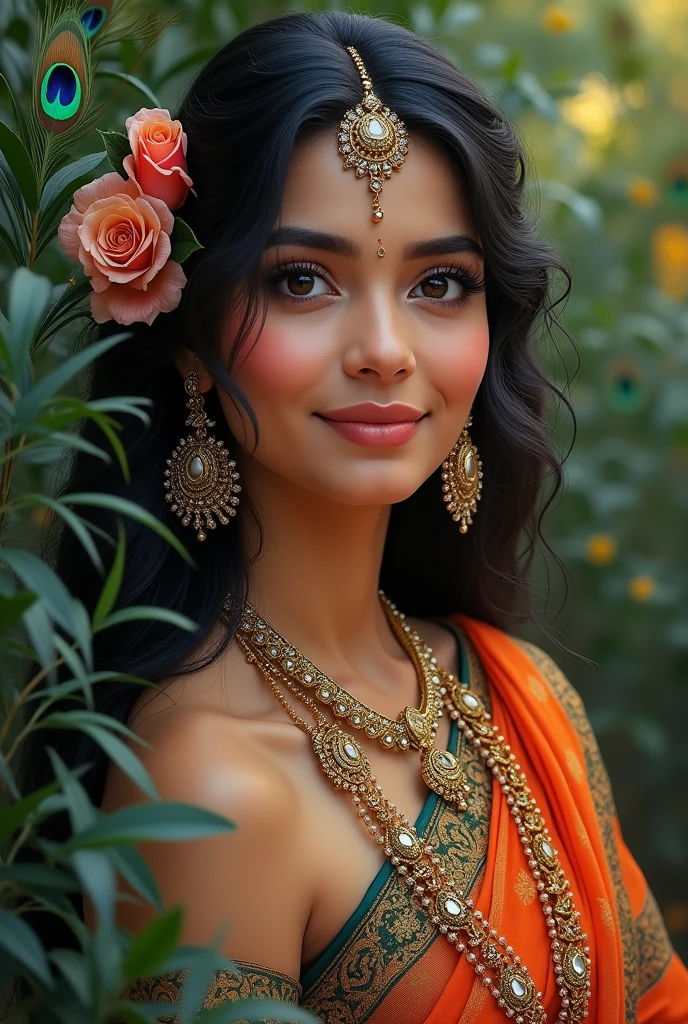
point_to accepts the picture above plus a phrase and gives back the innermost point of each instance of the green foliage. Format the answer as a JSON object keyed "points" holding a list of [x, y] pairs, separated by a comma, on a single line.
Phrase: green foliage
{"points": [[599, 97], [43, 628]]}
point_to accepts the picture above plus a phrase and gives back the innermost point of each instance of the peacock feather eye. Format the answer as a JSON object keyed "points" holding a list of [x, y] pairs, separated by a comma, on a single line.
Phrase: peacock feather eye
{"points": [[626, 387], [94, 16], [60, 83], [92, 19]]}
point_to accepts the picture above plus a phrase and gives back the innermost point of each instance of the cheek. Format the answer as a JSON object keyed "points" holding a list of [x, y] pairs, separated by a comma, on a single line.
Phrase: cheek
{"points": [[458, 368], [280, 366]]}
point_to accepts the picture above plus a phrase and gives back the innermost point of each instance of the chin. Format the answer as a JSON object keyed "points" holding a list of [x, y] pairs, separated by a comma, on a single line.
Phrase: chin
{"points": [[374, 488]]}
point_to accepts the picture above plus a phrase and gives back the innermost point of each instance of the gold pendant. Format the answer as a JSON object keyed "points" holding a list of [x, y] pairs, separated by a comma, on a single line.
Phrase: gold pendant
{"points": [[341, 757], [443, 774]]}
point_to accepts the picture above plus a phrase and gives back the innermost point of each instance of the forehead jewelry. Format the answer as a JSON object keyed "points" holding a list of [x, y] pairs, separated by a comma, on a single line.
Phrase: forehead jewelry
{"points": [[372, 138], [380, 248]]}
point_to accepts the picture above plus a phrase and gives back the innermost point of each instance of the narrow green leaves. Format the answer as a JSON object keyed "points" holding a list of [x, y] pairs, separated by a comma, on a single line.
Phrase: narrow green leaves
{"points": [[21, 165]]}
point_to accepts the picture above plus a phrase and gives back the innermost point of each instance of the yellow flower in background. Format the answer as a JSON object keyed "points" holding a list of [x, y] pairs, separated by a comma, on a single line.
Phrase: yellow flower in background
{"points": [[557, 20], [595, 109], [670, 260], [642, 192], [641, 588], [41, 516], [601, 548]]}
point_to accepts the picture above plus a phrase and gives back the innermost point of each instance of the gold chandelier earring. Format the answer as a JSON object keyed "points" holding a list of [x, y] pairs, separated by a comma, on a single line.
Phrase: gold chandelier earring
{"points": [[201, 478], [462, 473]]}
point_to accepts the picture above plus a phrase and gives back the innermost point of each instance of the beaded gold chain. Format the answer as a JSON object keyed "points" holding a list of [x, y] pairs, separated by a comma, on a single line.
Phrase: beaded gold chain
{"points": [[414, 728], [423, 870]]}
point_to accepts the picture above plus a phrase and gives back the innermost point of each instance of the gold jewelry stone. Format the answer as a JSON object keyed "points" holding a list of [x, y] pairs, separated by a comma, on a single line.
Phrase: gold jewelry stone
{"points": [[373, 139], [201, 478], [462, 479]]}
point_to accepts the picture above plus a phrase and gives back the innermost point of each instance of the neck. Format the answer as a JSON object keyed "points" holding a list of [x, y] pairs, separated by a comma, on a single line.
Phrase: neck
{"points": [[316, 579]]}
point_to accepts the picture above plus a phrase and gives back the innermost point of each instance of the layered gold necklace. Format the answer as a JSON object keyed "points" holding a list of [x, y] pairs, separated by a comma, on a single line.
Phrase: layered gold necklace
{"points": [[419, 865], [413, 729]]}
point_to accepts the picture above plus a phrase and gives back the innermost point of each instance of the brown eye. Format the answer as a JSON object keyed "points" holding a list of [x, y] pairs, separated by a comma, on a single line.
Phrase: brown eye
{"points": [[300, 283], [434, 287]]}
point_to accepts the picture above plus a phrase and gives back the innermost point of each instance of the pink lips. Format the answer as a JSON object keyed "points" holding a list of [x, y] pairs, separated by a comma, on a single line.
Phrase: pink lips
{"points": [[372, 424]]}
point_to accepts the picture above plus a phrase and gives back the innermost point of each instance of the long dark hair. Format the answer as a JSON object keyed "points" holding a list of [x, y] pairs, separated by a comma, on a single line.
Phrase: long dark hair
{"points": [[243, 114]]}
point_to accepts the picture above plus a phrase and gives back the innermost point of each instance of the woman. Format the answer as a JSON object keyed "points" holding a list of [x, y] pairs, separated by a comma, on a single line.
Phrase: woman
{"points": [[367, 295]]}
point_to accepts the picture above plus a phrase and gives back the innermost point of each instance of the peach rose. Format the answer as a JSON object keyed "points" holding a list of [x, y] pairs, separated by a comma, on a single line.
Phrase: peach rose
{"points": [[157, 162], [123, 241]]}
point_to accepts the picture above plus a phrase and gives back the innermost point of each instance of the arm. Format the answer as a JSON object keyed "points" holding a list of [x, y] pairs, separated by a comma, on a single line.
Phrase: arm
{"points": [[252, 878]]}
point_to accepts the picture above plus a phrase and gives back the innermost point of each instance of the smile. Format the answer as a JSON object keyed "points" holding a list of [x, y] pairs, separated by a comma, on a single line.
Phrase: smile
{"points": [[380, 434]]}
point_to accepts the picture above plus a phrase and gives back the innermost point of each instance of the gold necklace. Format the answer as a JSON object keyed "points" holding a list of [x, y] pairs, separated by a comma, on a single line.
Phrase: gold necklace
{"points": [[414, 728], [424, 871]]}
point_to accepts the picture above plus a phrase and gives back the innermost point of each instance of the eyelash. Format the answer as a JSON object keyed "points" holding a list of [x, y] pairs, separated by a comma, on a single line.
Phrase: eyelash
{"points": [[471, 282]]}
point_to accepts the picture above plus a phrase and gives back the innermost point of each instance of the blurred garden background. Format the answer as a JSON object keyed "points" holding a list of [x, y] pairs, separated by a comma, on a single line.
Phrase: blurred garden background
{"points": [[599, 91]]}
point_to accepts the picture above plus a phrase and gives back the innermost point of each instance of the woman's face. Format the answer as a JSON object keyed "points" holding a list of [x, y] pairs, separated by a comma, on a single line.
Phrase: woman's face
{"points": [[402, 339]]}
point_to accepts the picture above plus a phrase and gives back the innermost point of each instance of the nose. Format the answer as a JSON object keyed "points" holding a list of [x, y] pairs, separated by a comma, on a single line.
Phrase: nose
{"points": [[381, 341]]}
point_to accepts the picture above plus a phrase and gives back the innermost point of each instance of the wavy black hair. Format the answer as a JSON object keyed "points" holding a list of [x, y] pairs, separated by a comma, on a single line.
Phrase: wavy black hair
{"points": [[243, 114]]}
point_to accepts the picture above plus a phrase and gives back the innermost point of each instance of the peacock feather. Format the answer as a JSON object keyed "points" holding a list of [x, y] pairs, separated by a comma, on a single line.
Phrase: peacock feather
{"points": [[95, 16], [70, 32]]}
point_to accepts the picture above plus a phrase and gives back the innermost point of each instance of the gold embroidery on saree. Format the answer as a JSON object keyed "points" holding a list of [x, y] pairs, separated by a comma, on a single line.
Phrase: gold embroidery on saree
{"points": [[393, 934], [600, 788], [654, 944], [525, 888], [248, 981]]}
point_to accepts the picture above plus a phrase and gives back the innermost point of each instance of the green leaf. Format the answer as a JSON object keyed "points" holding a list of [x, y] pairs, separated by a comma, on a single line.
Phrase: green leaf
{"points": [[97, 876], [72, 520], [41, 876], [41, 635], [108, 594], [183, 240], [141, 612], [12, 608], [49, 385], [75, 968], [152, 944], [134, 511], [117, 148], [20, 941], [587, 210], [7, 776], [59, 184], [136, 82], [29, 295], [12, 817], [149, 822], [21, 165], [119, 753], [16, 109], [134, 869], [36, 575]]}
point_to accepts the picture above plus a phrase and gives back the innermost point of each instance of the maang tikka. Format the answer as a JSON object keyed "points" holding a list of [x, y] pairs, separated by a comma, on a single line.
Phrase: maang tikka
{"points": [[201, 477], [462, 479], [372, 138]]}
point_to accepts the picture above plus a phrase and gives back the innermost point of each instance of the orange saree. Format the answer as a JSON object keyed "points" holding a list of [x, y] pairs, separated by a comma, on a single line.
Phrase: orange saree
{"points": [[543, 719]]}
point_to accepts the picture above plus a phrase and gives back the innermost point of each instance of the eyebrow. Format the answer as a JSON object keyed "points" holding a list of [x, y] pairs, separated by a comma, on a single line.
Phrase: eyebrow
{"points": [[342, 246]]}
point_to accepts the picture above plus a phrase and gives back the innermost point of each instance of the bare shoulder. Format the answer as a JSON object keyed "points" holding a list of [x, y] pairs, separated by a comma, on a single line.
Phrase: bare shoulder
{"points": [[240, 879]]}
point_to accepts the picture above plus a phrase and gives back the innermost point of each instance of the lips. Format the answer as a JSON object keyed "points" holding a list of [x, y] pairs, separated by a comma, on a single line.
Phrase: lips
{"points": [[371, 412]]}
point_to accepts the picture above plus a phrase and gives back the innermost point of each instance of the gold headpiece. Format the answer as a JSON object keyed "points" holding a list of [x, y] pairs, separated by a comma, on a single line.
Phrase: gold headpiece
{"points": [[372, 138]]}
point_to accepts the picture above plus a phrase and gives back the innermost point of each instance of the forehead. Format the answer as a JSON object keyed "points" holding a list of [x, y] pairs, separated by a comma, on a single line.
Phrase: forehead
{"points": [[425, 198]]}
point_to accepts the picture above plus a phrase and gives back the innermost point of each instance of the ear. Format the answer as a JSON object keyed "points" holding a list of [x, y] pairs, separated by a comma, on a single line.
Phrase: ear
{"points": [[187, 360]]}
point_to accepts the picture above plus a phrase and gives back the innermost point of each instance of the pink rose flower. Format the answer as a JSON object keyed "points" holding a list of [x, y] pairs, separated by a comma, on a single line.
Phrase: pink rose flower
{"points": [[122, 239], [157, 163]]}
